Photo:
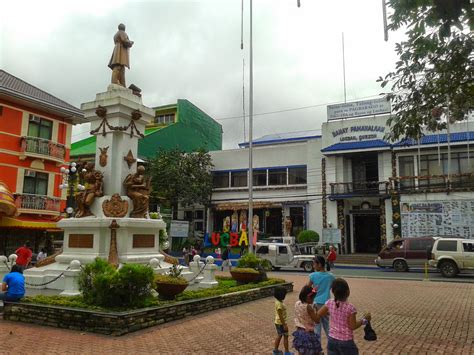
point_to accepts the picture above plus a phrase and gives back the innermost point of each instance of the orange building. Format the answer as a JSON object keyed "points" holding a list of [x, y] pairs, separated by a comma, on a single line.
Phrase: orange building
{"points": [[35, 138]]}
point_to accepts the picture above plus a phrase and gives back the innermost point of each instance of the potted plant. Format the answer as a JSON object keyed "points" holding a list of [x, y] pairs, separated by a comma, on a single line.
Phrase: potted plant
{"points": [[250, 268], [171, 284], [244, 275]]}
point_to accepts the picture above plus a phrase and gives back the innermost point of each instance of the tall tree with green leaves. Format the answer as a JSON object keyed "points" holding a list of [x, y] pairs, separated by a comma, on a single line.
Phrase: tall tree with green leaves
{"points": [[182, 178], [433, 78]]}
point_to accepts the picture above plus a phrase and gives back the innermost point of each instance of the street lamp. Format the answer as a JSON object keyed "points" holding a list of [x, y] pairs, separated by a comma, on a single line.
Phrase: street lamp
{"points": [[71, 183]]}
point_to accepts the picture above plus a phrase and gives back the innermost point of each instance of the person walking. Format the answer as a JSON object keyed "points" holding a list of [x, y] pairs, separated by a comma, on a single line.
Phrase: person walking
{"points": [[322, 281], [226, 259], [13, 286], [342, 320], [281, 321], [305, 340], [331, 258], [24, 255]]}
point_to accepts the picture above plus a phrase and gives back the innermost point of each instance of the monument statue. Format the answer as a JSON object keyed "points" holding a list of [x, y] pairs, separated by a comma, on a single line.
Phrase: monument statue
{"points": [[138, 189], [120, 56], [94, 188]]}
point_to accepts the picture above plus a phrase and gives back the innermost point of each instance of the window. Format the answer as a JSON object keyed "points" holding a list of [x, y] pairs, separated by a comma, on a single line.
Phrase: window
{"points": [[282, 250], [188, 216], [165, 119], [220, 180], [406, 167], [447, 245], [297, 175], [35, 183], [199, 214], [420, 244], [397, 245], [276, 176], [262, 249], [468, 247], [40, 127], [260, 177], [199, 226], [238, 178]]}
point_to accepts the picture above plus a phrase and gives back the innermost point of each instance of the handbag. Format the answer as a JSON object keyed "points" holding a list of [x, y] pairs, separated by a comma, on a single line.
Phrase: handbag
{"points": [[369, 333]]}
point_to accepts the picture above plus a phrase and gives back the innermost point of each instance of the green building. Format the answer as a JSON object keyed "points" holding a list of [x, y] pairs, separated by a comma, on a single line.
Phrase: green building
{"points": [[181, 125]]}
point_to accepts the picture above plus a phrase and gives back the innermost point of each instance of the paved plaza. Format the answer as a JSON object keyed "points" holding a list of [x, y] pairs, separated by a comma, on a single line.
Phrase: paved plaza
{"points": [[410, 317]]}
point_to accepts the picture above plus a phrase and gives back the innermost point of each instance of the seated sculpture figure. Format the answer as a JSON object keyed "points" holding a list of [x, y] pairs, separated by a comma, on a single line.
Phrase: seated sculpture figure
{"points": [[94, 188], [138, 189]]}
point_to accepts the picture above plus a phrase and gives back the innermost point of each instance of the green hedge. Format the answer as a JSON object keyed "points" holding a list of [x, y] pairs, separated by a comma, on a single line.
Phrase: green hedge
{"points": [[225, 285], [308, 236]]}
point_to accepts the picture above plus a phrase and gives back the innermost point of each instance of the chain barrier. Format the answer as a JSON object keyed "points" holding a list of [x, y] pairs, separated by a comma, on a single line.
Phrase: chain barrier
{"points": [[8, 267], [41, 284], [200, 272]]}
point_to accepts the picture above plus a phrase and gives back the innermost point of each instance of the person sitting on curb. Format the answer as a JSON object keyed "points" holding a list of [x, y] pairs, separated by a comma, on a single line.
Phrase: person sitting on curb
{"points": [[13, 285]]}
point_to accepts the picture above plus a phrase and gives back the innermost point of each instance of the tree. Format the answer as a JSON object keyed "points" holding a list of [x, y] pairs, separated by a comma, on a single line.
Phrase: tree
{"points": [[434, 73], [179, 177]]}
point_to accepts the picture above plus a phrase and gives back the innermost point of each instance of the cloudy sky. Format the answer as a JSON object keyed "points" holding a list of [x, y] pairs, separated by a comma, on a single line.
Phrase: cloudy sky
{"points": [[191, 49]]}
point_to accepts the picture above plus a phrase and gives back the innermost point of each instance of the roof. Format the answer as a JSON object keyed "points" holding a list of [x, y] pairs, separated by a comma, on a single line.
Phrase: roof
{"points": [[13, 86], [376, 143], [437, 138], [286, 137]]}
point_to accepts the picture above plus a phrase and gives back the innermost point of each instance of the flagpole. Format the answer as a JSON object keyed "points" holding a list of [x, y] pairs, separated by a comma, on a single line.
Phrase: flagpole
{"points": [[250, 176]]}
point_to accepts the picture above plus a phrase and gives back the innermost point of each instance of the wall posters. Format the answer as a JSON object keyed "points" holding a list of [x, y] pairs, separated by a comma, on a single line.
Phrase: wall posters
{"points": [[438, 218]]}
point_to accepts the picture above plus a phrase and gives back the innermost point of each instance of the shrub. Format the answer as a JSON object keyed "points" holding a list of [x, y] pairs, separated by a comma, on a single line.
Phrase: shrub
{"points": [[308, 236], [102, 285], [172, 277], [246, 270], [252, 261]]}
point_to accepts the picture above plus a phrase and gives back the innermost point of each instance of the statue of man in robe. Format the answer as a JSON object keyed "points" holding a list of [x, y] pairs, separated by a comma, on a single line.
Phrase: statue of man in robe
{"points": [[120, 56]]}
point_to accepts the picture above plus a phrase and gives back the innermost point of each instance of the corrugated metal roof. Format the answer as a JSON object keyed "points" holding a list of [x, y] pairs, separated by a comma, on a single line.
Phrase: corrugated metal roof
{"points": [[10, 84], [284, 137], [437, 138], [376, 143]]}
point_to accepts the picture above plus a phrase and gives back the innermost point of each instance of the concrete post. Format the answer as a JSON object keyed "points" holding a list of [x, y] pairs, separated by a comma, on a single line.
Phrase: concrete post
{"points": [[195, 266], [209, 278], [71, 286], [156, 265]]}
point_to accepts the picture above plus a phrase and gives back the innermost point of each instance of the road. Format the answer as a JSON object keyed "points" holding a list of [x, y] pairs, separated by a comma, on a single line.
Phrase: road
{"points": [[377, 273]]}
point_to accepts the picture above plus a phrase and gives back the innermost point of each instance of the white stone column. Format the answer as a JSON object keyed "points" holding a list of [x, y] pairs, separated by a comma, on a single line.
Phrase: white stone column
{"points": [[209, 278], [120, 103], [71, 286], [156, 265]]}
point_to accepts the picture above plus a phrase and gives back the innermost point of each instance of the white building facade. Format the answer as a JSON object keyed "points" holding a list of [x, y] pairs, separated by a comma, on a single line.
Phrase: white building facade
{"points": [[286, 180]]}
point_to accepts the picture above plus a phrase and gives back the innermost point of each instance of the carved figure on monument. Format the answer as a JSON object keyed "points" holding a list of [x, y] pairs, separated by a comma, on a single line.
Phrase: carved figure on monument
{"points": [[288, 225], [120, 56], [94, 188], [138, 189]]}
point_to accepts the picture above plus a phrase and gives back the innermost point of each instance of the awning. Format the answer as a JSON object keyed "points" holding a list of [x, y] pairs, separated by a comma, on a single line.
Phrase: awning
{"points": [[24, 222], [348, 146], [7, 201], [231, 206]]}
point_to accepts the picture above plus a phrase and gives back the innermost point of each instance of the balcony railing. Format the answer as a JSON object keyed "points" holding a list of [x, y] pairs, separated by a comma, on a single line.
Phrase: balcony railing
{"points": [[38, 203], [365, 188], [43, 147], [432, 183]]}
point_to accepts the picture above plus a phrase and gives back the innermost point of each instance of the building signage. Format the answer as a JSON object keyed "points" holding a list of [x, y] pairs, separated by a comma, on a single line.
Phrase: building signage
{"points": [[331, 236], [354, 133], [179, 229], [358, 109]]}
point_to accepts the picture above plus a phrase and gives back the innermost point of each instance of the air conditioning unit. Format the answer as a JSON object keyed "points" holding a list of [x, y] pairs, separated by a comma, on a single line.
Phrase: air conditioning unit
{"points": [[30, 173], [34, 118]]}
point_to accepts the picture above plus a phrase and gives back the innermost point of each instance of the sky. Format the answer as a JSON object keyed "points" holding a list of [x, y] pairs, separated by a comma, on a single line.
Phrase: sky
{"points": [[190, 49]]}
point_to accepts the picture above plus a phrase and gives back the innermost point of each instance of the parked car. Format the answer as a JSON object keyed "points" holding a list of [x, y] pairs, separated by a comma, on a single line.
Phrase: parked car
{"points": [[283, 255], [405, 253], [453, 255]]}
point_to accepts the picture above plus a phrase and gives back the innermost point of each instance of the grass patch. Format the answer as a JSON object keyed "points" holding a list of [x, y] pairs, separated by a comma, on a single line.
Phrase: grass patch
{"points": [[225, 285]]}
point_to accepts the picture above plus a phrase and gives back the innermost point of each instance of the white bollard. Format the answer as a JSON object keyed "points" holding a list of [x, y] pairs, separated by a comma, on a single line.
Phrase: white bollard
{"points": [[195, 266], [12, 258], [209, 278], [156, 264], [71, 286]]}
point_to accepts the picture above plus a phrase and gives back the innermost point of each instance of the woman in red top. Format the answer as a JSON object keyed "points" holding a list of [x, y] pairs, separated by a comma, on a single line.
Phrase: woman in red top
{"points": [[24, 255], [331, 258]]}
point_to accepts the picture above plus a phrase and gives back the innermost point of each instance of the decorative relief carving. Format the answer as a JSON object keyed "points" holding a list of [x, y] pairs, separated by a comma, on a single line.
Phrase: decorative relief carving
{"points": [[103, 156], [113, 252], [130, 159], [115, 207]]}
